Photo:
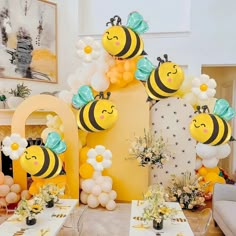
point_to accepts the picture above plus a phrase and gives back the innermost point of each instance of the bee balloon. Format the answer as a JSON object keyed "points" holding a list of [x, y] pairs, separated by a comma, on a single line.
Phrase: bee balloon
{"points": [[162, 81], [124, 41], [213, 129], [94, 113], [42, 161]]}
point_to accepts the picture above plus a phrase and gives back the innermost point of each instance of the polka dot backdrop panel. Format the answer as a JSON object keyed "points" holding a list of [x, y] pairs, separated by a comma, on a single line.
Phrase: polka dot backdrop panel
{"points": [[171, 117]]}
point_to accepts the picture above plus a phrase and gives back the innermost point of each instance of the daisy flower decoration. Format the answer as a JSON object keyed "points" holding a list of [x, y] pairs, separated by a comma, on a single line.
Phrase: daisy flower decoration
{"points": [[88, 49], [99, 157], [204, 87], [14, 146]]}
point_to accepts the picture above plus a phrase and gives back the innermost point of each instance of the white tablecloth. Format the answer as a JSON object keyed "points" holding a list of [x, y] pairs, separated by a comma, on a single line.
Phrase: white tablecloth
{"points": [[170, 227], [49, 221]]}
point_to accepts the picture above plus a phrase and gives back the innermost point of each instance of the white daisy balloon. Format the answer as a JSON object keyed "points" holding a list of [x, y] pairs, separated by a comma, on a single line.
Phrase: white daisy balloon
{"points": [[204, 87], [14, 146], [88, 49], [99, 157]]}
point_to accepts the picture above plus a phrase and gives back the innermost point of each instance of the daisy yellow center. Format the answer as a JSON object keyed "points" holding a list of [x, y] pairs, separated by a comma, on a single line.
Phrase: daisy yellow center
{"points": [[88, 49], [99, 158], [14, 146], [203, 87]]}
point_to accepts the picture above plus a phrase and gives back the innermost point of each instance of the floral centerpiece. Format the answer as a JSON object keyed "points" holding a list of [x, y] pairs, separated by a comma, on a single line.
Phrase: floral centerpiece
{"points": [[29, 209], [150, 149], [50, 193], [156, 208], [187, 191]]}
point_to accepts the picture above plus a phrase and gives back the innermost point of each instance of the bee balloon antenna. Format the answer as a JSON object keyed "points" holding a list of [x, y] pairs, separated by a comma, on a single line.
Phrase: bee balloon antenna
{"points": [[198, 110], [166, 57], [205, 108], [160, 61], [108, 95], [113, 19]]}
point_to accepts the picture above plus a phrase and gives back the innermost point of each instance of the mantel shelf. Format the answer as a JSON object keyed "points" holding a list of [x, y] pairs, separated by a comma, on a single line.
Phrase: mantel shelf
{"points": [[36, 118]]}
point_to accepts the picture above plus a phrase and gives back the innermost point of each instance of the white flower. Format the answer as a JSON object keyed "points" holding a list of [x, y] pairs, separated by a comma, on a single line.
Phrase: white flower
{"points": [[204, 87], [14, 146], [99, 157], [88, 49]]}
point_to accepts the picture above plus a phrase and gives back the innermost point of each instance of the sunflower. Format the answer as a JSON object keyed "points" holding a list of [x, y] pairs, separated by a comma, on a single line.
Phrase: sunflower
{"points": [[36, 208]]}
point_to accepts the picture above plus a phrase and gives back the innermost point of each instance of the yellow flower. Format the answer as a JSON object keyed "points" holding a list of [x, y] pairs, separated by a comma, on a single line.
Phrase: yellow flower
{"points": [[36, 208]]}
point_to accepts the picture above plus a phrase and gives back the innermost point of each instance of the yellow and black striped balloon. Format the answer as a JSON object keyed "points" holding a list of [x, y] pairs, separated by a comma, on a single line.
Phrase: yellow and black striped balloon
{"points": [[122, 42], [210, 129], [97, 115], [164, 81], [41, 162]]}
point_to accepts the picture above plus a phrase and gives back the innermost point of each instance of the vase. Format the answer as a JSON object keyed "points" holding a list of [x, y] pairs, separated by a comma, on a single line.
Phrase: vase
{"points": [[30, 221], [50, 204], [158, 224], [14, 102]]}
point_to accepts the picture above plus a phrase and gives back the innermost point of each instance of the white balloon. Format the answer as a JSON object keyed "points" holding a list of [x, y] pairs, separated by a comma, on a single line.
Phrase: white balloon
{"points": [[190, 98], [210, 163], [111, 205], [108, 179], [112, 195], [103, 199], [223, 151], [206, 151], [92, 201], [96, 174], [96, 190], [88, 185], [99, 180], [99, 82], [84, 197], [198, 163], [66, 96], [106, 187]]}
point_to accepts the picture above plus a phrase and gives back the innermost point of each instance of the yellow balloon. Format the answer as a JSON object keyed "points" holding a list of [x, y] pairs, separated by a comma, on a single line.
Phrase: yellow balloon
{"points": [[33, 189], [205, 188], [202, 171], [82, 137], [83, 155], [211, 177], [86, 171], [221, 180], [215, 170], [211, 188]]}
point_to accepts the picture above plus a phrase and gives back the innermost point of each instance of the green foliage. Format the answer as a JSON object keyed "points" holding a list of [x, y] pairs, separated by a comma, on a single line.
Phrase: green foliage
{"points": [[21, 91]]}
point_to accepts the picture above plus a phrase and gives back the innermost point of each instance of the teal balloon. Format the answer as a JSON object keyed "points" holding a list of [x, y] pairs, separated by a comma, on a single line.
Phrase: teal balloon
{"points": [[134, 20], [60, 148], [77, 101], [85, 93], [229, 114], [145, 65], [53, 140], [136, 23], [221, 107], [141, 76]]}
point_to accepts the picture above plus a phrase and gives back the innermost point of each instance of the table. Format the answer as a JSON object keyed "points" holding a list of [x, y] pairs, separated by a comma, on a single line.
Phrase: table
{"points": [[49, 221], [170, 228]]}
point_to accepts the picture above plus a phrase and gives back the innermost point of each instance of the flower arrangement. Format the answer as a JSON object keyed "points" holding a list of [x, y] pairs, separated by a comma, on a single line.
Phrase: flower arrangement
{"points": [[21, 91], [51, 192], [187, 191], [156, 208], [29, 208], [150, 149]]}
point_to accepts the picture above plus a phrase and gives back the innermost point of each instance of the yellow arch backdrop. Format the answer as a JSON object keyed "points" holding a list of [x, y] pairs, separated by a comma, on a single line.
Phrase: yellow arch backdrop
{"points": [[71, 155]]}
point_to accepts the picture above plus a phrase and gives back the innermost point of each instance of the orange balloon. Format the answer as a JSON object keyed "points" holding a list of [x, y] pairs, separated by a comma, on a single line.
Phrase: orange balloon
{"points": [[211, 177], [202, 171], [86, 171], [83, 155], [215, 170]]}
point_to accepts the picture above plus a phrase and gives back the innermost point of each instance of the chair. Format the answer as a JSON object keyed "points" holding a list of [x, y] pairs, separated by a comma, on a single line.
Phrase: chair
{"points": [[200, 221], [224, 206]]}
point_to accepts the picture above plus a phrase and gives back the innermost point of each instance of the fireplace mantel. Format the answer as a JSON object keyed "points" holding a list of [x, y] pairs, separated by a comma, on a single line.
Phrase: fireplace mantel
{"points": [[36, 118]]}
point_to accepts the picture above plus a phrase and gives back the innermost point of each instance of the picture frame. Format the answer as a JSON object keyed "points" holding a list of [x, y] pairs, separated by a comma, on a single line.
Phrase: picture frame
{"points": [[28, 40]]}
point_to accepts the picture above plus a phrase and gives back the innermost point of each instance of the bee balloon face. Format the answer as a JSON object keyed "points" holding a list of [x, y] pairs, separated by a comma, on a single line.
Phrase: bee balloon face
{"points": [[97, 115], [122, 42], [41, 162], [210, 129]]}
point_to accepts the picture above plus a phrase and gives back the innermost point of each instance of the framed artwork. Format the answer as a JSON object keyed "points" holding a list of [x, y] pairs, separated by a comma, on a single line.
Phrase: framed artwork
{"points": [[28, 40]]}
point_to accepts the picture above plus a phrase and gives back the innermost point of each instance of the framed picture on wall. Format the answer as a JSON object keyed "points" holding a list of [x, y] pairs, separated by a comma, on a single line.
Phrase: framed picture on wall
{"points": [[28, 40]]}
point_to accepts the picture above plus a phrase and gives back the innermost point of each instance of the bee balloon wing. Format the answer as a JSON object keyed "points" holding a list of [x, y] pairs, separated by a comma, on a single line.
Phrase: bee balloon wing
{"points": [[144, 70], [83, 96], [55, 143], [223, 109], [136, 23]]}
